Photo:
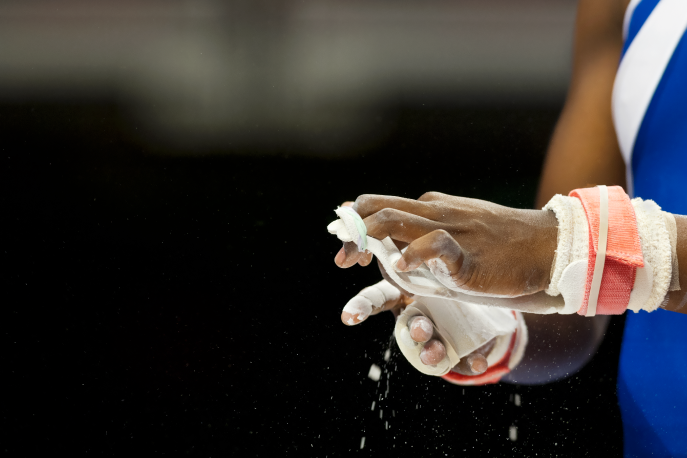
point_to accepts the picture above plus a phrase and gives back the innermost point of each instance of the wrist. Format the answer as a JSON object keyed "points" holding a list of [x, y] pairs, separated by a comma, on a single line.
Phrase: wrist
{"points": [[506, 354], [636, 269], [547, 242], [572, 238]]}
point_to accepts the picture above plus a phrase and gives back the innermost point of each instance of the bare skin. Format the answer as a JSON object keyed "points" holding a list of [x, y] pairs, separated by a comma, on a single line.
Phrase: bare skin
{"points": [[583, 152], [482, 244]]}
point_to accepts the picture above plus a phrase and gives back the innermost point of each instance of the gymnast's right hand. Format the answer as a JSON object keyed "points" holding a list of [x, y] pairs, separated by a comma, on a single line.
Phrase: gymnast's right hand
{"points": [[385, 296]]}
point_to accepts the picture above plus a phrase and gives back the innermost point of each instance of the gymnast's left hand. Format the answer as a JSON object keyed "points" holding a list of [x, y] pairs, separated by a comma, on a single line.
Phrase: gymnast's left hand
{"points": [[483, 247]]}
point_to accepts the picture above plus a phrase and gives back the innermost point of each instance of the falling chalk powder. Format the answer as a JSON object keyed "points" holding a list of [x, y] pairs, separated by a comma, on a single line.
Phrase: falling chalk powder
{"points": [[512, 433], [375, 372]]}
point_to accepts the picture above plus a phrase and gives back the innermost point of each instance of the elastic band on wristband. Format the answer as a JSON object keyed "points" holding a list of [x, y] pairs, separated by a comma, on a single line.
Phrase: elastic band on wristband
{"points": [[600, 253]]}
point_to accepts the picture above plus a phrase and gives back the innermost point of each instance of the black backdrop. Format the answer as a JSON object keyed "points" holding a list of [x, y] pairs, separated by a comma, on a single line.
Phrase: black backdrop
{"points": [[163, 303]]}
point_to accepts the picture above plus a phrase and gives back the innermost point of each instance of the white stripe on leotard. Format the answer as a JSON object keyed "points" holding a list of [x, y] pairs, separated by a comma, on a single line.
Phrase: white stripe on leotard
{"points": [[628, 16], [641, 70]]}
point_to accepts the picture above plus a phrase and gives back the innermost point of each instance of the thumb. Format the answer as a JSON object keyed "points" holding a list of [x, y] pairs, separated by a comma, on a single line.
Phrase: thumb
{"points": [[370, 301], [476, 362]]}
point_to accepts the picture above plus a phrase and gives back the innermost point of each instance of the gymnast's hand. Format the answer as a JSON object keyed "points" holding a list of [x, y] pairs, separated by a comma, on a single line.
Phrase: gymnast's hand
{"points": [[386, 295], [479, 246]]}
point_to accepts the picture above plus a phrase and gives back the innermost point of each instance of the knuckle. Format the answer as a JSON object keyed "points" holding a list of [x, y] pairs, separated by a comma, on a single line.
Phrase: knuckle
{"points": [[383, 222], [431, 195], [364, 202], [388, 215], [445, 245], [442, 236]]}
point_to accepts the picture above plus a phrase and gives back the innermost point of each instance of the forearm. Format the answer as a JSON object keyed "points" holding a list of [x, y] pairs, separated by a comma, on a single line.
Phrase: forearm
{"points": [[584, 149], [559, 346]]}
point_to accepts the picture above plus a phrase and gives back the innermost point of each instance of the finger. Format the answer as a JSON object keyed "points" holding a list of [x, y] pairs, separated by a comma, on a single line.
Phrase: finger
{"points": [[472, 364], [438, 244], [371, 301], [421, 329], [399, 225], [369, 204], [348, 255], [476, 362], [365, 258], [433, 196], [432, 353]]}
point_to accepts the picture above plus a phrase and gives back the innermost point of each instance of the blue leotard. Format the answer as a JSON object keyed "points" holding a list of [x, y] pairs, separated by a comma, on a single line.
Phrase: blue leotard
{"points": [[652, 376]]}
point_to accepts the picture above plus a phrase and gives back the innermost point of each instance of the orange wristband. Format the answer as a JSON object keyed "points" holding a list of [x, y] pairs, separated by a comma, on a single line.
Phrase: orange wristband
{"points": [[613, 236]]}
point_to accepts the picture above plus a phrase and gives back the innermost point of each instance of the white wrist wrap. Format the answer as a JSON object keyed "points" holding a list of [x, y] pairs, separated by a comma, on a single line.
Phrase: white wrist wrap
{"points": [[573, 237], [656, 249]]}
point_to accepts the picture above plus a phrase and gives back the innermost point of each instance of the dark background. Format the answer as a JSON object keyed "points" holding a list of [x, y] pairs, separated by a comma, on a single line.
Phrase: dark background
{"points": [[164, 303]]}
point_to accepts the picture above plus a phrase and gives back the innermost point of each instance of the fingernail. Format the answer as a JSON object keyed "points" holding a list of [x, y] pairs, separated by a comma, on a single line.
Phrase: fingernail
{"points": [[356, 310], [349, 319], [420, 329], [478, 364], [340, 257], [401, 265], [432, 353]]}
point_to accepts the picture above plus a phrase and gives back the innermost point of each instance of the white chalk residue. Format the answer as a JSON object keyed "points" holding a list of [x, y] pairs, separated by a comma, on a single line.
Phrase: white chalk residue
{"points": [[425, 325], [360, 306], [362, 443], [440, 270], [375, 372], [443, 275], [406, 339], [387, 355], [517, 400]]}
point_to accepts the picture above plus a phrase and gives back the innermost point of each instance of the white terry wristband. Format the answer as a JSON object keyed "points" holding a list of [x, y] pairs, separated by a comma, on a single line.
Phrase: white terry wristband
{"points": [[573, 237], [652, 282], [656, 250]]}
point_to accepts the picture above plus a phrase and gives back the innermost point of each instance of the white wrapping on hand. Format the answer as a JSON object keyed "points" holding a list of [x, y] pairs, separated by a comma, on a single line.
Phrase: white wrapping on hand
{"points": [[462, 322], [461, 327]]}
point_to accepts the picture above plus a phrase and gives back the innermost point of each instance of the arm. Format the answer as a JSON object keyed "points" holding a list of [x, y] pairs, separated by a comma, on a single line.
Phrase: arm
{"points": [[583, 151]]}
